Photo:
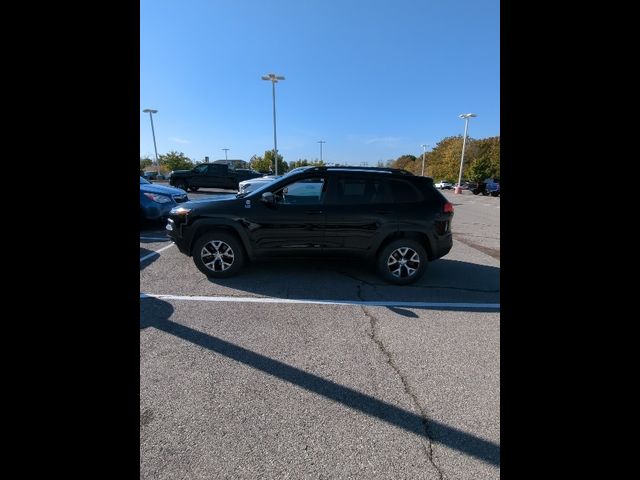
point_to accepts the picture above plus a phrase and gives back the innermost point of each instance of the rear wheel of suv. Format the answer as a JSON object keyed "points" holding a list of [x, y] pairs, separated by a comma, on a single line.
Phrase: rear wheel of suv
{"points": [[218, 254], [403, 261], [182, 184], [194, 189]]}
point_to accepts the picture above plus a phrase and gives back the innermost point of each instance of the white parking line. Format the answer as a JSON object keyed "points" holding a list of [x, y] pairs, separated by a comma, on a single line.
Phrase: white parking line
{"points": [[321, 302], [157, 252], [155, 239]]}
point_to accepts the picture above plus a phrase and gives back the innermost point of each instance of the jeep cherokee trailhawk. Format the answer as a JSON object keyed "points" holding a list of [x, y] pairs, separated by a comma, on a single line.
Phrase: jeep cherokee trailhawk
{"points": [[392, 216]]}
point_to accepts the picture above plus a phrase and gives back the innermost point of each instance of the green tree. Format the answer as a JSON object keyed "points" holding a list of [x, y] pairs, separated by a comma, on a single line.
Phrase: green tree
{"points": [[489, 151], [405, 162], [145, 162], [175, 161], [282, 165], [480, 170], [260, 164]]}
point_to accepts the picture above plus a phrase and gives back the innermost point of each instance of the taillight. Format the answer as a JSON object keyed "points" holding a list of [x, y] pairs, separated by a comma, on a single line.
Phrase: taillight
{"points": [[448, 207]]}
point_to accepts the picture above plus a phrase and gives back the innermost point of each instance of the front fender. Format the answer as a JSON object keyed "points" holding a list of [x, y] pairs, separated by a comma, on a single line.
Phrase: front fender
{"points": [[199, 226]]}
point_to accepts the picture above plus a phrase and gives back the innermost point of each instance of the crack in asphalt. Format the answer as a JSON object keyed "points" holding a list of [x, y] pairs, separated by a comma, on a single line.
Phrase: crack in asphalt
{"points": [[492, 252], [373, 335]]}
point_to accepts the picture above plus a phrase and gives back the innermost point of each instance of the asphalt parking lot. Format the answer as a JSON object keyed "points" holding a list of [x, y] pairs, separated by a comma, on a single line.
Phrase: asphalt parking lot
{"points": [[304, 368]]}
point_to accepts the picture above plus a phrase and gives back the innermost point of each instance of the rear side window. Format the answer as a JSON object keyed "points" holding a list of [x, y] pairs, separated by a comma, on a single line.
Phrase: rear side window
{"points": [[361, 191], [404, 192]]}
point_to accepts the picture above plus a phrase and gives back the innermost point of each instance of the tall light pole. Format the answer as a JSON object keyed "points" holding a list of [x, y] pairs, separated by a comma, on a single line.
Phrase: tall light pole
{"points": [[321, 142], [466, 117], [225, 152], [424, 151], [151, 112], [274, 79]]}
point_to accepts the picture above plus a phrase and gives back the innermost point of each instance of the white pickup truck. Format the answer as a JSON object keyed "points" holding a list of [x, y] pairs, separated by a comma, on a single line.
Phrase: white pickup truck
{"points": [[443, 185]]}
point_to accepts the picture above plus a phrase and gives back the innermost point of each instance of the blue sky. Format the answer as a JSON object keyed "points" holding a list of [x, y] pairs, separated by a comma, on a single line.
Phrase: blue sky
{"points": [[375, 79]]}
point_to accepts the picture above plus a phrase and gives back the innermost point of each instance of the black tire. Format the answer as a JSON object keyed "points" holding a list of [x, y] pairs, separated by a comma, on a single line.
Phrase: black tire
{"points": [[231, 256], [194, 189], [494, 194], [182, 184], [402, 249]]}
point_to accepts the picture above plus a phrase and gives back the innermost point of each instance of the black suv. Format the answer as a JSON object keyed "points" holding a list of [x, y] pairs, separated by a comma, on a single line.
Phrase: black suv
{"points": [[390, 215]]}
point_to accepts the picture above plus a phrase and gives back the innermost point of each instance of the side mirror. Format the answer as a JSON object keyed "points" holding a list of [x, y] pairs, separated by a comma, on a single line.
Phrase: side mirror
{"points": [[269, 198]]}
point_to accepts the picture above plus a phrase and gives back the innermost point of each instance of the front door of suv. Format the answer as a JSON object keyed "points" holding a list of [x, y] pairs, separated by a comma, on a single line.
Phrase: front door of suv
{"points": [[295, 224], [360, 213]]}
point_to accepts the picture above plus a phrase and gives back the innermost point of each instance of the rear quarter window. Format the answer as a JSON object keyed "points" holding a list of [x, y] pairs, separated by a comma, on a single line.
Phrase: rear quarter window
{"points": [[429, 191], [403, 191]]}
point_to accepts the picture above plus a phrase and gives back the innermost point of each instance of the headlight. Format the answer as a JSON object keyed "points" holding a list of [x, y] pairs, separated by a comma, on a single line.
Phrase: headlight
{"points": [[179, 211], [157, 198]]}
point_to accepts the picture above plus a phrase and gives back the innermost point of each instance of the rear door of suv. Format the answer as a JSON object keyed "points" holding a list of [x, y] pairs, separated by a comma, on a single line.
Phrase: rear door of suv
{"points": [[360, 213]]}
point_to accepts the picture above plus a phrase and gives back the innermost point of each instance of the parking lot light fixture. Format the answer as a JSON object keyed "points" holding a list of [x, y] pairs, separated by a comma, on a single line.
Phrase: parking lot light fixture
{"points": [[151, 112], [466, 117], [273, 78], [321, 142], [424, 151], [225, 152]]}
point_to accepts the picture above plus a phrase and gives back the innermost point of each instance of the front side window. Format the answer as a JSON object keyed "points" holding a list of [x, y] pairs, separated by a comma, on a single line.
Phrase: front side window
{"points": [[308, 191], [200, 169]]}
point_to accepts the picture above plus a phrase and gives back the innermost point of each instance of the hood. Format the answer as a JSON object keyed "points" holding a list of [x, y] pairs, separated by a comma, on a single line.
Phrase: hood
{"points": [[161, 189], [218, 200]]}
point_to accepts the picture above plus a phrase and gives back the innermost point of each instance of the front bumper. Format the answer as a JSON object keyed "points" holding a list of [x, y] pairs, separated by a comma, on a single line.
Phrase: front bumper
{"points": [[174, 232]]}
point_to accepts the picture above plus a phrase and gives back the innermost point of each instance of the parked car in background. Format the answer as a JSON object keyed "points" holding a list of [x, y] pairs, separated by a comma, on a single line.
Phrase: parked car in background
{"points": [[493, 189], [250, 185], [443, 185], [391, 216], [156, 201], [247, 186], [211, 175], [488, 187]]}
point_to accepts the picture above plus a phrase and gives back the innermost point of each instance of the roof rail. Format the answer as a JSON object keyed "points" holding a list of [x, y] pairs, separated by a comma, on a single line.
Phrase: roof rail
{"points": [[366, 169]]}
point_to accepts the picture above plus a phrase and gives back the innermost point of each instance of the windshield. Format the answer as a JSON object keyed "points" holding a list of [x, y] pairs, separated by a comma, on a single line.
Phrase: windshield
{"points": [[143, 181]]}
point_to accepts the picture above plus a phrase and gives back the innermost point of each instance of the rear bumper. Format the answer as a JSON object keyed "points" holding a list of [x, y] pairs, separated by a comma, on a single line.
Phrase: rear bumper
{"points": [[441, 245]]}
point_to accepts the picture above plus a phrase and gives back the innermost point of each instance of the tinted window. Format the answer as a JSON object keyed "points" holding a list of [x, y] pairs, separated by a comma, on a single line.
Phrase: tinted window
{"points": [[352, 190], [217, 169], [404, 192], [201, 168]]}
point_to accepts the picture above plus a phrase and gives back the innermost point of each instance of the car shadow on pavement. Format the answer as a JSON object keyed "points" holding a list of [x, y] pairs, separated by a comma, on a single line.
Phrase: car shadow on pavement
{"points": [[143, 252], [445, 281], [156, 314]]}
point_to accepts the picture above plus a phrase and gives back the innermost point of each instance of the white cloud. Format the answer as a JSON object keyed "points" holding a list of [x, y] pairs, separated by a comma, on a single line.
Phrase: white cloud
{"points": [[179, 140], [387, 141]]}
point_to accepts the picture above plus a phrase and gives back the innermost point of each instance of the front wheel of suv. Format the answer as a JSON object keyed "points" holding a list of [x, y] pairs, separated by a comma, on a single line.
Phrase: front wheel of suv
{"points": [[218, 254], [403, 261]]}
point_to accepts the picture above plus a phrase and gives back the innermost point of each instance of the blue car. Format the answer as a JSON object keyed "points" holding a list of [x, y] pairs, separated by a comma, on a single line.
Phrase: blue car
{"points": [[156, 201]]}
